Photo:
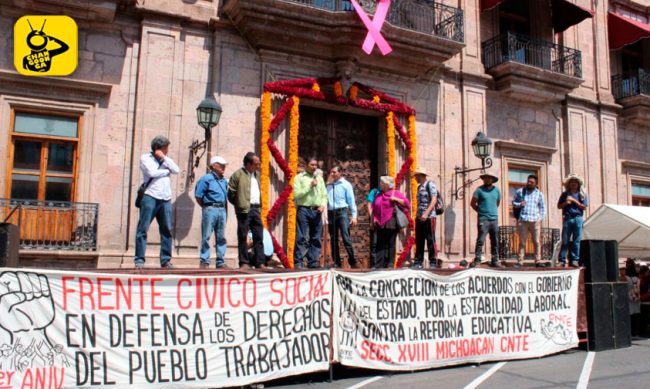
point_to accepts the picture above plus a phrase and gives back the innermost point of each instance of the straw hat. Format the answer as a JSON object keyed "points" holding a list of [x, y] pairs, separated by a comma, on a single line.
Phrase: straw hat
{"points": [[421, 171], [571, 177], [490, 173]]}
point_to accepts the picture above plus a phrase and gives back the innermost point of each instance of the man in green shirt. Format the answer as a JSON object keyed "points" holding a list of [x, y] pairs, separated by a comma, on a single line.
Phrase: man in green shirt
{"points": [[485, 201], [311, 199]]}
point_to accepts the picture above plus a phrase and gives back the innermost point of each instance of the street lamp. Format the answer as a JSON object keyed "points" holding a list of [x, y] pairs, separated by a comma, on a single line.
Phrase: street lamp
{"points": [[482, 147], [207, 116]]}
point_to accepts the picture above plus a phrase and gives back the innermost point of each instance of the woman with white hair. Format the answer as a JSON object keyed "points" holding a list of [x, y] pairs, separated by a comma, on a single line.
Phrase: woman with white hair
{"points": [[385, 220]]}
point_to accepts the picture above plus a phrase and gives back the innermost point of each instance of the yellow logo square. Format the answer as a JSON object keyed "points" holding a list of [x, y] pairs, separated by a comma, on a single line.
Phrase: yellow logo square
{"points": [[45, 45]]}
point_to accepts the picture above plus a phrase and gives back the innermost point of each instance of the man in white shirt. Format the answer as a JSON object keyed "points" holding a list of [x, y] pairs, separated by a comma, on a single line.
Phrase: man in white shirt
{"points": [[156, 168]]}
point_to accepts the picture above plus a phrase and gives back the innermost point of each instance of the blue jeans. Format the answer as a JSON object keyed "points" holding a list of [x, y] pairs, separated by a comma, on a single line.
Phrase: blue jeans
{"points": [[487, 227], [161, 210], [339, 221], [213, 220], [309, 229], [571, 236]]}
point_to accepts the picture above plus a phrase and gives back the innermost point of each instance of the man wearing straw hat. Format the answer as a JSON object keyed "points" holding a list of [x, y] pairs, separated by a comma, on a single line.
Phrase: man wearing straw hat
{"points": [[573, 202], [425, 220], [485, 201]]}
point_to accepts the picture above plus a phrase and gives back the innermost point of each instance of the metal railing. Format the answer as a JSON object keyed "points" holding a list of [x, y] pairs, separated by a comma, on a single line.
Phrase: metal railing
{"points": [[538, 53], [53, 225], [424, 16], [509, 243], [631, 83]]}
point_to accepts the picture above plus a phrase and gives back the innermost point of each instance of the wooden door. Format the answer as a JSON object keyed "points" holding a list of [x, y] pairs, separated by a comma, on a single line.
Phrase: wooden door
{"points": [[350, 141]]}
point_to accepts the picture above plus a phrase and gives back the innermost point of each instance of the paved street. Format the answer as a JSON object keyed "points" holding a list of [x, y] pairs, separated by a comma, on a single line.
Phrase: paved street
{"points": [[622, 368]]}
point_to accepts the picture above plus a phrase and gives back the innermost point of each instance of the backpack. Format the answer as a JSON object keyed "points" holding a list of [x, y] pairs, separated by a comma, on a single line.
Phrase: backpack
{"points": [[439, 208], [517, 210]]}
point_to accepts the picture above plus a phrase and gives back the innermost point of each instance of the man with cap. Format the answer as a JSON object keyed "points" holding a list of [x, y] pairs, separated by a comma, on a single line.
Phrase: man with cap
{"points": [[211, 193], [573, 202], [425, 220], [485, 201], [156, 168]]}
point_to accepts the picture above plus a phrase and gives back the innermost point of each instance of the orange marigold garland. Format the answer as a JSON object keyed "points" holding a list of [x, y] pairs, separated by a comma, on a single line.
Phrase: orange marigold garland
{"points": [[338, 89], [315, 87], [413, 155], [390, 144], [354, 91], [265, 157], [293, 165]]}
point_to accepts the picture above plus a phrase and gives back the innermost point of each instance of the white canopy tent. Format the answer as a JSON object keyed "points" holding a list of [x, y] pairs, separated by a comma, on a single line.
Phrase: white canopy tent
{"points": [[629, 225]]}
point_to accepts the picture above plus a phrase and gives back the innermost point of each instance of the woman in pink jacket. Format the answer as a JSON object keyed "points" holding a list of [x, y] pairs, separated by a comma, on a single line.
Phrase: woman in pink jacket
{"points": [[384, 219]]}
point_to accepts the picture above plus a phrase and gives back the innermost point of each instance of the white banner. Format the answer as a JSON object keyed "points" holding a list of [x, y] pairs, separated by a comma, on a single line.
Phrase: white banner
{"points": [[409, 320], [67, 329]]}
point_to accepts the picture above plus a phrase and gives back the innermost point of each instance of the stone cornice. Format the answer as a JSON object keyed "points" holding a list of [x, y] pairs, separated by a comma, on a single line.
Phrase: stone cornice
{"points": [[514, 145], [62, 88]]}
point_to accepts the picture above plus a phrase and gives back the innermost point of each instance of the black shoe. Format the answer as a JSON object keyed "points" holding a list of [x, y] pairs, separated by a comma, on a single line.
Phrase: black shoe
{"points": [[496, 264], [168, 265]]}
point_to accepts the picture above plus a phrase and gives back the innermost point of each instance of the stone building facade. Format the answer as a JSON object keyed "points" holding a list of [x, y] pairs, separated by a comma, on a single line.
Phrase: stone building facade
{"points": [[466, 66]]}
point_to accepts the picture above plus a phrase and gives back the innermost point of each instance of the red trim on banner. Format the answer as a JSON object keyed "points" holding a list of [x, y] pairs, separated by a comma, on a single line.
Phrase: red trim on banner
{"points": [[624, 31], [567, 14]]}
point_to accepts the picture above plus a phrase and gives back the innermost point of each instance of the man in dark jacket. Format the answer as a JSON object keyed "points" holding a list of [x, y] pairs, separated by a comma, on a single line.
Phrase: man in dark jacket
{"points": [[244, 194]]}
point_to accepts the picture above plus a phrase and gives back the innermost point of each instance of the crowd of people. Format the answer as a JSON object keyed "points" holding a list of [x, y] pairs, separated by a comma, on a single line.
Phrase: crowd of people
{"points": [[331, 201], [637, 276]]}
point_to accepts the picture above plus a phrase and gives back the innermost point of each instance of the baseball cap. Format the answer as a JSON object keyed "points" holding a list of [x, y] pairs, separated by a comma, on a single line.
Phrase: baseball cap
{"points": [[219, 160]]}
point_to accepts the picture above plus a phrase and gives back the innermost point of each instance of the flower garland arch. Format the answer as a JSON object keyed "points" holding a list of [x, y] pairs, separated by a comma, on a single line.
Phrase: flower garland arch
{"points": [[310, 88]]}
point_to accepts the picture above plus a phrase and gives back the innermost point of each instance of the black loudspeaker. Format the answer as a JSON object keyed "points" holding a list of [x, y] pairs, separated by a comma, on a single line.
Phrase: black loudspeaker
{"points": [[621, 315], [599, 317], [592, 256], [608, 315], [9, 243], [611, 260]]}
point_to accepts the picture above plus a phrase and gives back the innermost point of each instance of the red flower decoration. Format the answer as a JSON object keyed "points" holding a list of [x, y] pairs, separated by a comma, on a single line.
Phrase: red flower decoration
{"points": [[303, 88]]}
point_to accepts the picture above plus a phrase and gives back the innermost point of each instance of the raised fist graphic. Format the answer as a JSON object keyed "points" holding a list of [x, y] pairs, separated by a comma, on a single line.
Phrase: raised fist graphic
{"points": [[26, 304]]}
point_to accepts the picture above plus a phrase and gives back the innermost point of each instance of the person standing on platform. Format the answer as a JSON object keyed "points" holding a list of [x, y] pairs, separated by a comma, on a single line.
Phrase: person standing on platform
{"points": [[373, 231], [530, 210], [244, 194], [573, 202], [311, 199], [485, 201], [156, 168], [385, 220], [211, 193], [425, 220], [340, 199]]}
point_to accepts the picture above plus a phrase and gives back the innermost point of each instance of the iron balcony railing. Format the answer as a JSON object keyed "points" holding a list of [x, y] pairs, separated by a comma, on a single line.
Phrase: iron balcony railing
{"points": [[424, 16], [514, 47], [631, 83], [53, 225], [509, 243]]}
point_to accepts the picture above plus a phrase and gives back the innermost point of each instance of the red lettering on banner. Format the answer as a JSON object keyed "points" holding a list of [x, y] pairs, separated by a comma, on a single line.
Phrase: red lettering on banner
{"points": [[43, 377], [88, 293], [416, 352], [374, 351], [5, 379], [155, 295], [216, 293], [287, 291], [564, 319], [459, 348], [100, 294], [178, 293], [125, 293], [514, 343]]}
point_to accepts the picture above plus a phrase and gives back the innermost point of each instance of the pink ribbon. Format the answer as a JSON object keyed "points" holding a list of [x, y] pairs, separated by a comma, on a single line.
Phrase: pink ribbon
{"points": [[374, 27]]}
